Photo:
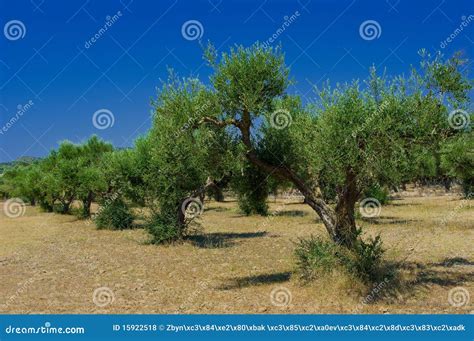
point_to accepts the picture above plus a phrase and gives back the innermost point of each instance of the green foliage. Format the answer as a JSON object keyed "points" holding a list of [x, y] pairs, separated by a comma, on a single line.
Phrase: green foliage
{"points": [[378, 192], [90, 177], [114, 214], [357, 139], [457, 158], [164, 229], [247, 79], [181, 158], [252, 190], [365, 260], [316, 257]]}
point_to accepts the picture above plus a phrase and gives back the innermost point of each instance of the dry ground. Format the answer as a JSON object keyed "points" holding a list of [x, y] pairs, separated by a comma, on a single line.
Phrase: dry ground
{"points": [[52, 264]]}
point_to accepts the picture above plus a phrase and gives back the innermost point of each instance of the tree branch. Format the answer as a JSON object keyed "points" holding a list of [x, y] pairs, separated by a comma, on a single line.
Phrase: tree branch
{"points": [[219, 123]]}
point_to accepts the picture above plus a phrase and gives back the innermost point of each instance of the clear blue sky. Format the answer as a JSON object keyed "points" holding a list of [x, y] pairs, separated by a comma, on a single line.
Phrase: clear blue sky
{"points": [[46, 61]]}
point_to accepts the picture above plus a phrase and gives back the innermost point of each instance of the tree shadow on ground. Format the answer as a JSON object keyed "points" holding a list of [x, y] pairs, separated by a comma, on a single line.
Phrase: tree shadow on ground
{"points": [[247, 281], [403, 204], [450, 262], [219, 240], [388, 220], [405, 279], [290, 213], [217, 209]]}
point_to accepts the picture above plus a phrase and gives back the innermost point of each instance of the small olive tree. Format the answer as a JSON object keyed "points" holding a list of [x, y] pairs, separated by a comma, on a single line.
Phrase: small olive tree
{"points": [[182, 158]]}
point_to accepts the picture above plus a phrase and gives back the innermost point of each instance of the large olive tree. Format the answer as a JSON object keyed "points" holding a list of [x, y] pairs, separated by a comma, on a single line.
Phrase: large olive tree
{"points": [[353, 136]]}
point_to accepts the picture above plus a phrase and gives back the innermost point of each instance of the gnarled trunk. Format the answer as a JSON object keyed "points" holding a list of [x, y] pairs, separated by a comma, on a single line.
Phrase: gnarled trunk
{"points": [[345, 228]]}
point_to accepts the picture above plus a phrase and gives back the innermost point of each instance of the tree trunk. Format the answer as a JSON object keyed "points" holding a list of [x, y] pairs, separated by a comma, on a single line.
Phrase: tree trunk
{"points": [[182, 216], [65, 207], [216, 191], [86, 205], [345, 229], [32, 202]]}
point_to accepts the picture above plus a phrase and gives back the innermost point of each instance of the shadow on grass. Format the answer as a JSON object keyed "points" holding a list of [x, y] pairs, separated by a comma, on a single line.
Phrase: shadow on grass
{"points": [[290, 213], [219, 240], [217, 209], [450, 262], [388, 220], [403, 203], [247, 281], [405, 279]]}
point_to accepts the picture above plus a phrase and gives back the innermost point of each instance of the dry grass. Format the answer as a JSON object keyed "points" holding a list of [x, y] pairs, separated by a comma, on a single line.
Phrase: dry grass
{"points": [[52, 264]]}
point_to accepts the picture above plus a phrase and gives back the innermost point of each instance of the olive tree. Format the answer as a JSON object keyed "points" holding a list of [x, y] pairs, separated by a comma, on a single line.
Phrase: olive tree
{"points": [[181, 158], [91, 181], [354, 135]]}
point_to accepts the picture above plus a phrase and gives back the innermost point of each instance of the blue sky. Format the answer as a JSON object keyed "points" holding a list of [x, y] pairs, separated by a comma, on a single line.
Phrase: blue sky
{"points": [[59, 82]]}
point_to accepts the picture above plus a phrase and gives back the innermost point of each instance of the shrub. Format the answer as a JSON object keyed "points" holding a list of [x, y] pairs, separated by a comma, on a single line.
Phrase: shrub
{"points": [[316, 257], [458, 162], [365, 260], [46, 206], [250, 203], [114, 214], [163, 230], [378, 192]]}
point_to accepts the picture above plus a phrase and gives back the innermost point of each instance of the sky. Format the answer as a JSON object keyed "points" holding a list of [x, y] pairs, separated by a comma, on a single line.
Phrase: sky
{"points": [[70, 69]]}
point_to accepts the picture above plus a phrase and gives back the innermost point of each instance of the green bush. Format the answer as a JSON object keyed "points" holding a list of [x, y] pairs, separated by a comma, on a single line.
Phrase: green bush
{"points": [[378, 192], [365, 260], [458, 162], [253, 203], [114, 214], [164, 230], [316, 256], [46, 206]]}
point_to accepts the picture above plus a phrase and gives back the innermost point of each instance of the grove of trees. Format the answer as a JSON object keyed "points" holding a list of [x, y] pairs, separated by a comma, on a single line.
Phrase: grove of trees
{"points": [[243, 131]]}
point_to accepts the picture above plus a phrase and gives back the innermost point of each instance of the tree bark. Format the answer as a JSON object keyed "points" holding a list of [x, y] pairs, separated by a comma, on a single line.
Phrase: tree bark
{"points": [[345, 228], [216, 190], [86, 205]]}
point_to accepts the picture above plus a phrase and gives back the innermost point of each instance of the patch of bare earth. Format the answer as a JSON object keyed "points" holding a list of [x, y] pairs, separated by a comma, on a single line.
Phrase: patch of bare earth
{"points": [[51, 263]]}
